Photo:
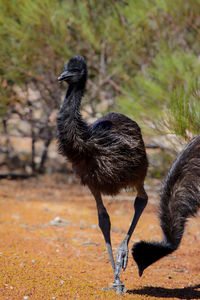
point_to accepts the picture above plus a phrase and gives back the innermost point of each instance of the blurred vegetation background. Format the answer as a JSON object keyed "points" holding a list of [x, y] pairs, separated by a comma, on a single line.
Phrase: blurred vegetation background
{"points": [[143, 59]]}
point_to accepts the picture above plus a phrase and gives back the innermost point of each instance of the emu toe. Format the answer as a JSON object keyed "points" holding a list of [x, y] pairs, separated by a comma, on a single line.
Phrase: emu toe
{"points": [[118, 286], [121, 259]]}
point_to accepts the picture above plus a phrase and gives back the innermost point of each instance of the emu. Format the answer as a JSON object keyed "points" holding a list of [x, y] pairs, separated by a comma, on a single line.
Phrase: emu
{"points": [[180, 199], [107, 156]]}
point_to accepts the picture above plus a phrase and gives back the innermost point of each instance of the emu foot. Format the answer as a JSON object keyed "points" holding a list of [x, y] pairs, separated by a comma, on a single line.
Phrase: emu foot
{"points": [[122, 258], [118, 286]]}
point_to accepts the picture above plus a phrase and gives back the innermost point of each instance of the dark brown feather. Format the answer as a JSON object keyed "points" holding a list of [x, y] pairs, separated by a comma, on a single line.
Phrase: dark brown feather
{"points": [[180, 199], [107, 155]]}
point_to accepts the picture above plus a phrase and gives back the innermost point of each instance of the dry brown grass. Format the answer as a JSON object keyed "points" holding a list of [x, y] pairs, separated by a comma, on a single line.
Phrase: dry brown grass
{"points": [[42, 261]]}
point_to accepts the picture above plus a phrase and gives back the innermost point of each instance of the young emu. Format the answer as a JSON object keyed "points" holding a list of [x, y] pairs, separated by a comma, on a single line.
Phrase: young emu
{"points": [[180, 198], [107, 155]]}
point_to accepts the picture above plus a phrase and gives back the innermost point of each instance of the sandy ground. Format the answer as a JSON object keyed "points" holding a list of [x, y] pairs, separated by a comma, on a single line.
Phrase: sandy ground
{"points": [[44, 259]]}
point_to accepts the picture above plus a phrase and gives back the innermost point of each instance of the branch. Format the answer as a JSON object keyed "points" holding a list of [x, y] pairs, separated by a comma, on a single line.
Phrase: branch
{"points": [[13, 176]]}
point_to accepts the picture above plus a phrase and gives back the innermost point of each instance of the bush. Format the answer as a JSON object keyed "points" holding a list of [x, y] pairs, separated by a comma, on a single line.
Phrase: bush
{"points": [[142, 53]]}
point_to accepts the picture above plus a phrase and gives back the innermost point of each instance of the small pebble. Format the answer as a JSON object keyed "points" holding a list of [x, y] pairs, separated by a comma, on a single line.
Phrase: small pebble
{"points": [[93, 226], [11, 287], [152, 227], [33, 260], [57, 221], [62, 282], [25, 297]]}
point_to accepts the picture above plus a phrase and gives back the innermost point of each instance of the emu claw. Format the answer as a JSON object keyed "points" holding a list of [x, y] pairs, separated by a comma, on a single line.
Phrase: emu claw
{"points": [[118, 286]]}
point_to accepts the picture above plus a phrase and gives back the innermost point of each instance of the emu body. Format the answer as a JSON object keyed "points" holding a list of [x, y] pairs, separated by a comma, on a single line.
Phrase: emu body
{"points": [[180, 199], [107, 155]]}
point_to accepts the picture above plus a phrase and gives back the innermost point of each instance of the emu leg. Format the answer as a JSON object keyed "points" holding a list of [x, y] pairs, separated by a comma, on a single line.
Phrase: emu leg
{"points": [[105, 225], [122, 251]]}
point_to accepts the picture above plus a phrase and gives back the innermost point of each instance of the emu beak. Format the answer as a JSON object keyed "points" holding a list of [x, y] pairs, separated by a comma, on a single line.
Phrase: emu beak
{"points": [[141, 270], [64, 76]]}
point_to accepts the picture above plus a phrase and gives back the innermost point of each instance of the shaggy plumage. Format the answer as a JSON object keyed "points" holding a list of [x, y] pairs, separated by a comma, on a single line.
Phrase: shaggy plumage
{"points": [[107, 155], [180, 199]]}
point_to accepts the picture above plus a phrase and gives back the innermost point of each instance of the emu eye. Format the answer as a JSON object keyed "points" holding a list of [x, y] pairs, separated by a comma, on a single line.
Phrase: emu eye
{"points": [[75, 70]]}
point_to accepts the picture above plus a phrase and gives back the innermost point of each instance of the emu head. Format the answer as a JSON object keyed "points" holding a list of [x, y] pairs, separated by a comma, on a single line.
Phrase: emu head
{"points": [[74, 71]]}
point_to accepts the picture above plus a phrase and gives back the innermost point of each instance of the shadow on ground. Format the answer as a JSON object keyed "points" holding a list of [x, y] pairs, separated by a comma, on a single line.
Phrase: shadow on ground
{"points": [[159, 292]]}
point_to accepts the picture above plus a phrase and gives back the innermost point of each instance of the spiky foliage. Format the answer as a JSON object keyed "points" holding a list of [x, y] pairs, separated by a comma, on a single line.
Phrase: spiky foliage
{"points": [[140, 52], [185, 110], [166, 36]]}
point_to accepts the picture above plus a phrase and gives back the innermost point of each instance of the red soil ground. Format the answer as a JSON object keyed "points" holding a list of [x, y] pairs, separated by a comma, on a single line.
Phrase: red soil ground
{"points": [[39, 260]]}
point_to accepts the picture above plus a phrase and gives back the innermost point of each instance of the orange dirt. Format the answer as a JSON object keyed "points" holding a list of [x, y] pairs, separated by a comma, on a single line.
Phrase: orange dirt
{"points": [[39, 260]]}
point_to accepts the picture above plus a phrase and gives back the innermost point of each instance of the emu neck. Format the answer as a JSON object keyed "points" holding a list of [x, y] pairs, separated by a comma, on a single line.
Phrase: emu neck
{"points": [[72, 101], [72, 130]]}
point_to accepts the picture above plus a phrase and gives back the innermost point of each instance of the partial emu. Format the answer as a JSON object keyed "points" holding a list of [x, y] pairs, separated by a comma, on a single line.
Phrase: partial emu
{"points": [[180, 198], [108, 155]]}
